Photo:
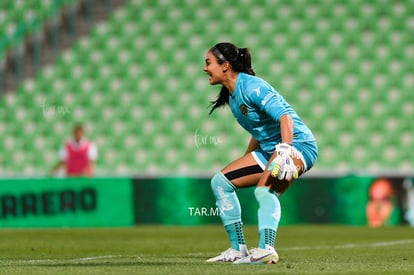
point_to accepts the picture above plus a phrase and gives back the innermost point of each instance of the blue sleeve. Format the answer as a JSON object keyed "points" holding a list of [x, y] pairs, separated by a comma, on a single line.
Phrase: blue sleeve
{"points": [[268, 101]]}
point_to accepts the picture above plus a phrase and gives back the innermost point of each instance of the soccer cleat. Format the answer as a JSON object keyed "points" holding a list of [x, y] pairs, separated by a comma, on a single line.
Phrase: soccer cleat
{"points": [[230, 255], [259, 256]]}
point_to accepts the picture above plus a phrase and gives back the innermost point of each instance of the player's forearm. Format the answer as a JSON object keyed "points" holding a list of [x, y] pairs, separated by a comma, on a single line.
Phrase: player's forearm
{"points": [[286, 129]]}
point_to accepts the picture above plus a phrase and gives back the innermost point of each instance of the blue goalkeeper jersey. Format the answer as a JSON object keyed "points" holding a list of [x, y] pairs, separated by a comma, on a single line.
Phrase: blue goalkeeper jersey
{"points": [[258, 107]]}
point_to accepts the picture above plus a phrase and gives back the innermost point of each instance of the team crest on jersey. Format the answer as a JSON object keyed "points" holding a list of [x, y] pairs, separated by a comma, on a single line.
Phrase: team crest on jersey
{"points": [[243, 109]]}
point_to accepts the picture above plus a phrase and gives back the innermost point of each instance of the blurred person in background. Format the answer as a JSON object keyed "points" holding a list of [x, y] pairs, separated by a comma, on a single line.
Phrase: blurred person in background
{"points": [[281, 148], [382, 207], [77, 156]]}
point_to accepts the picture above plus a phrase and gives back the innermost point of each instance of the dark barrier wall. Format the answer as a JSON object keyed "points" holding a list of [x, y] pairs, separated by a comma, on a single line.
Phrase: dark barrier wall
{"points": [[66, 202], [352, 200], [186, 201]]}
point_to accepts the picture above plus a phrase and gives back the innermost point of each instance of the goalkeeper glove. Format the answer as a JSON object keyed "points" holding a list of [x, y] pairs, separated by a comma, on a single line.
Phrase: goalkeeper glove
{"points": [[282, 166]]}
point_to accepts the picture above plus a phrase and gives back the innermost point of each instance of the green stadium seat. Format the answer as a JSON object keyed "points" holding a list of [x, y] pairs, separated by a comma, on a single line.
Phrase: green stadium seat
{"points": [[136, 80]]}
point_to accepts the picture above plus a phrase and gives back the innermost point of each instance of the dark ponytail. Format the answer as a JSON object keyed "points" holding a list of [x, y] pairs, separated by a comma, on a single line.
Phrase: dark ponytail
{"points": [[239, 59]]}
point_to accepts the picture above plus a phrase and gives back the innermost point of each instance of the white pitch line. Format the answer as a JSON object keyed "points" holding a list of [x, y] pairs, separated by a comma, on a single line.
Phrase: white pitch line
{"points": [[56, 261], [99, 257], [351, 245], [92, 258]]}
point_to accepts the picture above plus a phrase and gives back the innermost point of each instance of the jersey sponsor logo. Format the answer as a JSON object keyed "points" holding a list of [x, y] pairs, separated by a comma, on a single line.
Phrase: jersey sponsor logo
{"points": [[243, 109]]}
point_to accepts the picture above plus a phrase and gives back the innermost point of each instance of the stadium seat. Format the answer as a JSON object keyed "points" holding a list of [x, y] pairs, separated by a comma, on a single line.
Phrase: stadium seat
{"points": [[136, 80]]}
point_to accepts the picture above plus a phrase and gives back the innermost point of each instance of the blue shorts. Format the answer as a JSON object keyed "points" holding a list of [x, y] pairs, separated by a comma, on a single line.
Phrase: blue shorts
{"points": [[306, 151]]}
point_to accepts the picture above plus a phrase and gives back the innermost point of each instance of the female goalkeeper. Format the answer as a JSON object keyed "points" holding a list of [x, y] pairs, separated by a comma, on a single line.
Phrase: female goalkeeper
{"points": [[281, 148]]}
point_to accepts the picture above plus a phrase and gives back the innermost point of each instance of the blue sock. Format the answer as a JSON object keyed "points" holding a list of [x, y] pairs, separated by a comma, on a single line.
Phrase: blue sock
{"points": [[268, 215], [267, 238], [236, 236], [228, 203]]}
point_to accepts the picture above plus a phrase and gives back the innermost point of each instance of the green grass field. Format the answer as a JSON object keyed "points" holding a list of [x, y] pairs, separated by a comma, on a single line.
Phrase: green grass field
{"points": [[183, 250]]}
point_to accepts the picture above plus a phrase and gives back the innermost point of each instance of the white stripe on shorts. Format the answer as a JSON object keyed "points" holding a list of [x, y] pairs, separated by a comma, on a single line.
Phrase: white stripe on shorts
{"points": [[257, 159]]}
